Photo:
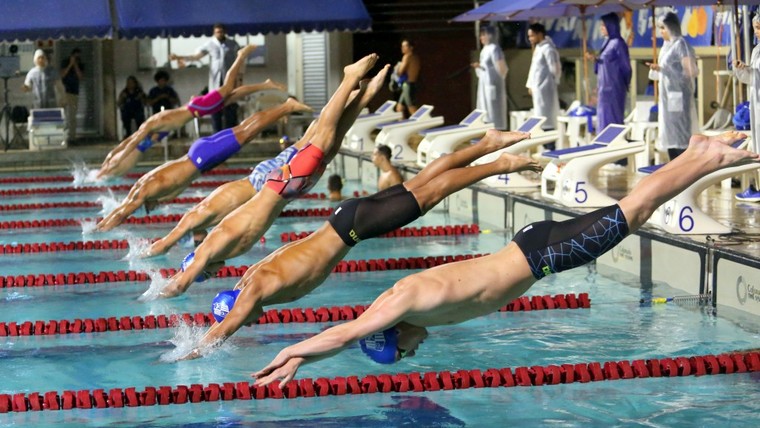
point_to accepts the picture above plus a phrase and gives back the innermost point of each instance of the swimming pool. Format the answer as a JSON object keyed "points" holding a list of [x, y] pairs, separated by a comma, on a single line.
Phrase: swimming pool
{"points": [[616, 327]]}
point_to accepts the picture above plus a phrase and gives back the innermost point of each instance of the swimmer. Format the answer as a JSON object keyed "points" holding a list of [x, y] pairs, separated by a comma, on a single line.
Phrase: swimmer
{"points": [[244, 226], [172, 178], [395, 324], [297, 268], [122, 158], [334, 188], [389, 175]]}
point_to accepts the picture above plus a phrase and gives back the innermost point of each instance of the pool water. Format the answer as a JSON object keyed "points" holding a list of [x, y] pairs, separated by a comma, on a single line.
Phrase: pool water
{"points": [[617, 327]]}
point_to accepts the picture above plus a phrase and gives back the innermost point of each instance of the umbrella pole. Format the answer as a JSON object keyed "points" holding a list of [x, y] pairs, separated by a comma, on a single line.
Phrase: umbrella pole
{"points": [[584, 52], [654, 51]]}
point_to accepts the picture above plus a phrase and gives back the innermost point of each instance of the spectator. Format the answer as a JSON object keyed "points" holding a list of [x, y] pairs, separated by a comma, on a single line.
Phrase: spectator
{"points": [[162, 95], [222, 51], [131, 104], [43, 81], [492, 70], [408, 72], [72, 71], [543, 76], [389, 175], [676, 71]]}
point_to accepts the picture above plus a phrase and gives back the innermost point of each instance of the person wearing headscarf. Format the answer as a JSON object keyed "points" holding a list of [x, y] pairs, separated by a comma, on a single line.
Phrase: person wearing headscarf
{"points": [[492, 70], [750, 74], [675, 71], [543, 76], [613, 69]]}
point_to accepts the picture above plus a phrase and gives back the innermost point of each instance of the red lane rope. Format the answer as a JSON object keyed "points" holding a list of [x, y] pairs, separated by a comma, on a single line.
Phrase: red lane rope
{"points": [[699, 365], [70, 179], [272, 316], [71, 278], [404, 232], [116, 188], [152, 219]]}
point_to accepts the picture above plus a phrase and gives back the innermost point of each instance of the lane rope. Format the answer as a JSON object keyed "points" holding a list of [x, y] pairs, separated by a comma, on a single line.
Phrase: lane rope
{"points": [[134, 175], [272, 316], [553, 374], [72, 278], [150, 219], [115, 244]]}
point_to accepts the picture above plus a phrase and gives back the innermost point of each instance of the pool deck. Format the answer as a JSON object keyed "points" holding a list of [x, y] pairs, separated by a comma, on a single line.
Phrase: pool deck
{"points": [[727, 266]]}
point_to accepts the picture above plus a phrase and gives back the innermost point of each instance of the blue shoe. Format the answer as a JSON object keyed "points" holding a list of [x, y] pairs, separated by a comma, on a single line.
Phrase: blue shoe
{"points": [[749, 195]]}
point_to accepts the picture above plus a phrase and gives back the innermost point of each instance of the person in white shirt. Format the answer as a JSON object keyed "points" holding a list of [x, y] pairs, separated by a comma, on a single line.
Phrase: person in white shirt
{"points": [[543, 76], [222, 52]]}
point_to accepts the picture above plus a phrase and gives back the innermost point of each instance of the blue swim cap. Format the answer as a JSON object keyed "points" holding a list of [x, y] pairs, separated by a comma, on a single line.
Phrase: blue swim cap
{"points": [[223, 303], [381, 346], [187, 261]]}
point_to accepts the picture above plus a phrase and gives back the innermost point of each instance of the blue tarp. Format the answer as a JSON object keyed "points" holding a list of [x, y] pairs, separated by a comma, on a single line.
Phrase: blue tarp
{"points": [[46, 19], [171, 18]]}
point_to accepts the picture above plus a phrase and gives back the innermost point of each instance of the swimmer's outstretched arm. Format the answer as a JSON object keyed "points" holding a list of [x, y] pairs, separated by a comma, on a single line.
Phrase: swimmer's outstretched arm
{"points": [[388, 310]]}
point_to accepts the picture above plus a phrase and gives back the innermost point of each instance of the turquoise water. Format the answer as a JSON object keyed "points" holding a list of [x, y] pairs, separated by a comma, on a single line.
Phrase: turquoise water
{"points": [[616, 328]]}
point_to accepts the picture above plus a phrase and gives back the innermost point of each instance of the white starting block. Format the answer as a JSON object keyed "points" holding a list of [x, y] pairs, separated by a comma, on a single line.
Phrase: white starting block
{"points": [[359, 136], [440, 141], [396, 134], [573, 130], [643, 130], [538, 137], [47, 129], [566, 179], [682, 215]]}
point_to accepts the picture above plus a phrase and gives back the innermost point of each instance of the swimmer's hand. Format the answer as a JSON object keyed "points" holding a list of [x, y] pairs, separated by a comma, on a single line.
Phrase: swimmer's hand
{"points": [[282, 367], [195, 353]]}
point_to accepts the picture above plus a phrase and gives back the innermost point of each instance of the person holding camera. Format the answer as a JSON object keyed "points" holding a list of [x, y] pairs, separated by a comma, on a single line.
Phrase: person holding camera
{"points": [[72, 71]]}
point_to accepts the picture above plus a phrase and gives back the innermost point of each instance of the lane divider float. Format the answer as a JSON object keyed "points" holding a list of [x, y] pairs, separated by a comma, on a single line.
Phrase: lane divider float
{"points": [[151, 219], [272, 316], [71, 278], [553, 374], [135, 175]]}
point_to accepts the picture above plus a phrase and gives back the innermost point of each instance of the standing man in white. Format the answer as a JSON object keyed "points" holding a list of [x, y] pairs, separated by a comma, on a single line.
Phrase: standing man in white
{"points": [[491, 71], [543, 76], [222, 52]]}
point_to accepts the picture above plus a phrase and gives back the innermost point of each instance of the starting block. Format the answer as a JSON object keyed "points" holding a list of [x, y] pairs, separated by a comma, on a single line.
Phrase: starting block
{"points": [[538, 137], [47, 129], [440, 141], [682, 215], [396, 134], [566, 179], [359, 136]]}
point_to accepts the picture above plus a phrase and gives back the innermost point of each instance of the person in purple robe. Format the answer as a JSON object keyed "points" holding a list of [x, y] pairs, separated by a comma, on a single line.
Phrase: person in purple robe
{"points": [[613, 69]]}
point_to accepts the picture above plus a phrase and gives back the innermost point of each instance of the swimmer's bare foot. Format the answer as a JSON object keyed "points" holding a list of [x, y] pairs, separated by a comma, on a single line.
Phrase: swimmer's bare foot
{"points": [[295, 105], [360, 68], [245, 51], [496, 140], [374, 85], [713, 153], [271, 84], [512, 163]]}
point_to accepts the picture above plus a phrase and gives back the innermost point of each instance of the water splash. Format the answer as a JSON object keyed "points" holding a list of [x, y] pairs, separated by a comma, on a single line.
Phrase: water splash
{"points": [[108, 202], [186, 339], [15, 295], [83, 175], [88, 227], [138, 247], [157, 284]]}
